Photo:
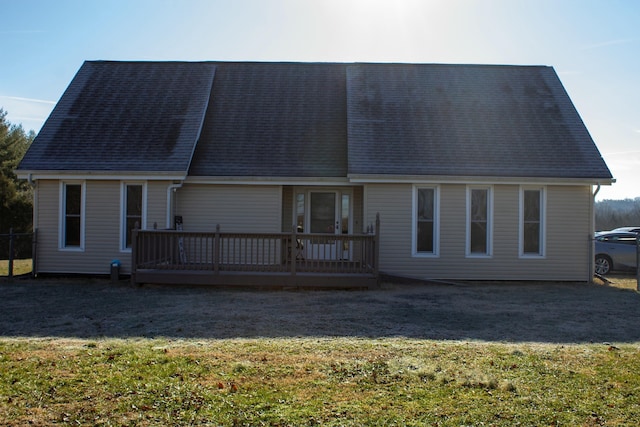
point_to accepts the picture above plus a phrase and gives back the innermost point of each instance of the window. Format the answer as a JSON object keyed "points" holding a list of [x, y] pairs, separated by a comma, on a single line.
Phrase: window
{"points": [[72, 216], [322, 212], [344, 217], [479, 221], [299, 212], [133, 197], [532, 222], [425, 235]]}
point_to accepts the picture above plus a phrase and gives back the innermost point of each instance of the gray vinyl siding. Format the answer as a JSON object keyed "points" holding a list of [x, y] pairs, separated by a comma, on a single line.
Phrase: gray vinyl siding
{"points": [[287, 208], [264, 209], [236, 208], [157, 204], [102, 227], [47, 193], [571, 230], [568, 226]]}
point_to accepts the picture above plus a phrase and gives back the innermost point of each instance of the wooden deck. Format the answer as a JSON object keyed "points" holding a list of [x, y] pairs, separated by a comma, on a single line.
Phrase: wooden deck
{"points": [[254, 259]]}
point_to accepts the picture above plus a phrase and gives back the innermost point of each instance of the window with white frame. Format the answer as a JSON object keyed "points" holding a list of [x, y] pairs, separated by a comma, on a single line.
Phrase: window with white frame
{"points": [[479, 222], [426, 221], [133, 211], [532, 224], [72, 215]]}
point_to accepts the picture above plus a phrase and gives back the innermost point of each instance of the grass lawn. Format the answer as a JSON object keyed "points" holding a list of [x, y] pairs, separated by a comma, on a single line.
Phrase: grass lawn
{"points": [[20, 266], [316, 381]]}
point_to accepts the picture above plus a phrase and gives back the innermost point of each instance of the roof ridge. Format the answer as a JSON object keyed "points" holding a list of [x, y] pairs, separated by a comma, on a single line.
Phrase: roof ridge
{"points": [[287, 62]]}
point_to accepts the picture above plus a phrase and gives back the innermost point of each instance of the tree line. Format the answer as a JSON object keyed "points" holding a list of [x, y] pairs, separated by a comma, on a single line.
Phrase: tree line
{"points": [[16, 196], [612, 214]]}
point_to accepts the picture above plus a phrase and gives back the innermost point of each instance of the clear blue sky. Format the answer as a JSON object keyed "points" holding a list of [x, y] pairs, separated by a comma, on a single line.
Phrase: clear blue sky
{"points": [[594, 47]]}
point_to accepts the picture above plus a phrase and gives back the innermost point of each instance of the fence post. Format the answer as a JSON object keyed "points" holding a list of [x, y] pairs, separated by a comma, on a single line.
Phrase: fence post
{"points": [[638, 262], [376, 244], [11, 238]]}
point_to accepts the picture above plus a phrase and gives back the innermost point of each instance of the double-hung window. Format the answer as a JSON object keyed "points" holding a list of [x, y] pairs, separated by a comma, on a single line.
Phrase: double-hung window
{"points": [[426, 221], [479, 221], [72, 198], [532, 222], [133, 211]]}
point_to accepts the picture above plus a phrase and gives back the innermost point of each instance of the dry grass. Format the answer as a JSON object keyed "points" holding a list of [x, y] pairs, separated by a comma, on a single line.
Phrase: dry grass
{"points": [[621, 281], [20, 266]]}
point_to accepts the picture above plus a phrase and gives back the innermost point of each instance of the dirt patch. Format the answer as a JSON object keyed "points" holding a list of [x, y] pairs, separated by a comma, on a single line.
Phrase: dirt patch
{"points": [[90, 308]]}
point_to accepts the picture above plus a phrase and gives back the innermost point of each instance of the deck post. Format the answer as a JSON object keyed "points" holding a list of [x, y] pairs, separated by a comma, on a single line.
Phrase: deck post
{"points": [[134, 254], [292, 249], [376, 247], [216, 251]]}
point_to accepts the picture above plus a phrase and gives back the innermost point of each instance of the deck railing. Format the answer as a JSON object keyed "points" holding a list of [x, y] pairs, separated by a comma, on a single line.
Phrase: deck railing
{"points": [[236, 253]]}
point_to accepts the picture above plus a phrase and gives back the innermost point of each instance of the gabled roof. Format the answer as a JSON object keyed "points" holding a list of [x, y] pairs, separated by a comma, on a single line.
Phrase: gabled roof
{"points": [[248, 119], [468, 120], [125, 116]]}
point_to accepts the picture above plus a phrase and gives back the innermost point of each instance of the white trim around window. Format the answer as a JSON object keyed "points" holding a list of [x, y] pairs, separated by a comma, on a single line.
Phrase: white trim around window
{"points": [[71, 216], [530, 247], [479, 244], [127, 217], [429, 218]]}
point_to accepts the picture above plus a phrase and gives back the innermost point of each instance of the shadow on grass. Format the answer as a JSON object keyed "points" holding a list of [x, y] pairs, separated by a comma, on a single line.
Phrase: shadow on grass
{"points": [[92, 308]]}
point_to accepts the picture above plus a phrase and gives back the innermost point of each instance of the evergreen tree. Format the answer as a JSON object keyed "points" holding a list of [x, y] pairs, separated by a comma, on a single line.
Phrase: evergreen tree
{"points": [[15, 195]]}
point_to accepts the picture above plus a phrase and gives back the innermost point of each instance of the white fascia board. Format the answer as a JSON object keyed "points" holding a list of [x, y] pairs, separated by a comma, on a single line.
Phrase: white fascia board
{"points": [[483, 180], [268, 180], [98, 175]]}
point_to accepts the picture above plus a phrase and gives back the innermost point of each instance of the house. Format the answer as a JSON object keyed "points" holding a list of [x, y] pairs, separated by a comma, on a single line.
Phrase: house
{"points": [[482, 172]]}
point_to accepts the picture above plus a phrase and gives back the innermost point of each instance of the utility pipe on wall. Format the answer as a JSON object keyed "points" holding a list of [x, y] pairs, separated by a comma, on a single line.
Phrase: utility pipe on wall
{"points": [[593, 227]]}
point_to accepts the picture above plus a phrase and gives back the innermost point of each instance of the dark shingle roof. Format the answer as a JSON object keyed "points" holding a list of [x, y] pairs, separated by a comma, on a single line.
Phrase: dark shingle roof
{"points": [[466, 120], [125, 116], [317, 120], [275, 119]]}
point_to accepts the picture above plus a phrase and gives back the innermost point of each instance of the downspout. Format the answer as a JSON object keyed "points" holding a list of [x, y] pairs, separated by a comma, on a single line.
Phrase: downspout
{"points": [[34, 185], [34, 225], [171, 189], [592, 229]]}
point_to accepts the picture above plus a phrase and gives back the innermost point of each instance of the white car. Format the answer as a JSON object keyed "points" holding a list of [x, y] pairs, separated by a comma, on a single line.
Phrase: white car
{"points": [[626, 230]]}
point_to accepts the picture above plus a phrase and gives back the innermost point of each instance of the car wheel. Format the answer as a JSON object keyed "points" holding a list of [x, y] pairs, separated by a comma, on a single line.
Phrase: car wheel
{"points": [[603, 265]]}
